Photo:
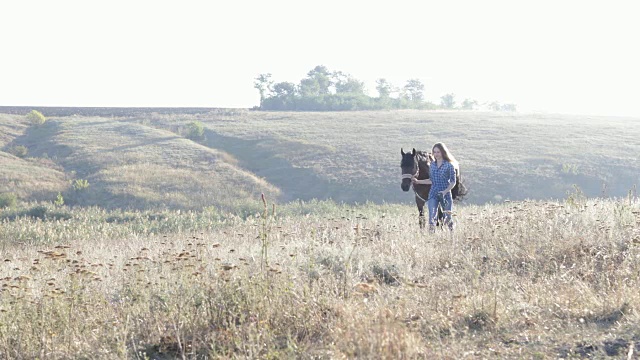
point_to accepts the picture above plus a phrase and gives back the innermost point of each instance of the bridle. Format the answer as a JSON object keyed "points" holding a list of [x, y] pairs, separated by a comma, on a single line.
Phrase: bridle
{"points": [[410, 176]]}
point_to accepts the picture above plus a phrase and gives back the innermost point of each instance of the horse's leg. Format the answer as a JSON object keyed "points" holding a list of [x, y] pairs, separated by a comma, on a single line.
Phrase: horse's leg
{"points": [[421, 220]]}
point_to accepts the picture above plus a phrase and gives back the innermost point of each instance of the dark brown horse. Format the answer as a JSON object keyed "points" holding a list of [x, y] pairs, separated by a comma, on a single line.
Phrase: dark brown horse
{"points": [[416, 163]]}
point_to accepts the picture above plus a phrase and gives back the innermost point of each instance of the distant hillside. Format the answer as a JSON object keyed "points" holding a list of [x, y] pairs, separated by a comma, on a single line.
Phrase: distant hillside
{"points": [[131, 165], [111, 111], [355, 156], [35, 179], [140, 160], [30, 179]]}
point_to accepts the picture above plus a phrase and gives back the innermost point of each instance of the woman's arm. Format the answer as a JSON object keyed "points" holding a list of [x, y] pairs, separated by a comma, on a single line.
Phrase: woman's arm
{"points": [[452, 180], [421, 182]]}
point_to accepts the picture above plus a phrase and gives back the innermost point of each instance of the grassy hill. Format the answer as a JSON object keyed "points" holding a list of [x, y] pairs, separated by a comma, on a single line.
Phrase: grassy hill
{"points": [[354, 156], [27, 178], [141, 161], [135, 166]]}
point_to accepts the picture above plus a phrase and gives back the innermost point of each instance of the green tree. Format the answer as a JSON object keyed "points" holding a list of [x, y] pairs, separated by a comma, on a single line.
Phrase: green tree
{"points": [[508, 107], [495, 106], [384, 88], [284, 89], [284, 97], [317, 82], [346, 84], [469, 104], [322, 90], [414, 90], [309, 87], [448, 101], [263, 83], [36, 118]]}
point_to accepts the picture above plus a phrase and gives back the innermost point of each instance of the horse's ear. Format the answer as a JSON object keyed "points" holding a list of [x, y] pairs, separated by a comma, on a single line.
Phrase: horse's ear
{"points": [[414, 152], [401, 151]]}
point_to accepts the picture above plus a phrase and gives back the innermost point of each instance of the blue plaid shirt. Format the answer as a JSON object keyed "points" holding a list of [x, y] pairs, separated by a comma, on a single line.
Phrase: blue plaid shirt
{"points": [[441, 177]]}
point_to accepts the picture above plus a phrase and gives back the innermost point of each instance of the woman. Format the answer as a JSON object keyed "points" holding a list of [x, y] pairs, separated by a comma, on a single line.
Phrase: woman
{"points": [[442, 177]]}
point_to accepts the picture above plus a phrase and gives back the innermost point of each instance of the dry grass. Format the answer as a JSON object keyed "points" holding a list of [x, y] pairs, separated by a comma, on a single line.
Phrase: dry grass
{"points": [[518, 280], [355, 155], [35, 179], [142, 162], [11, 126], [130, 165]]}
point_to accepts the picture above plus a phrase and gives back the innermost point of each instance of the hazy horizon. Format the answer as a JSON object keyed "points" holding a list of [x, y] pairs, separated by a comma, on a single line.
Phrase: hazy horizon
{"points": [[569, 57]]}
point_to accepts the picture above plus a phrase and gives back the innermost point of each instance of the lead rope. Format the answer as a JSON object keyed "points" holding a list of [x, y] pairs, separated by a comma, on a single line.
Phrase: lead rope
{"points": [[409, 176]]}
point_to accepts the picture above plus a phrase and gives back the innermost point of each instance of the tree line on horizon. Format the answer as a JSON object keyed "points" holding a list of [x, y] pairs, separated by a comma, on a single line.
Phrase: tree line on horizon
{"points": [[324, 90]]}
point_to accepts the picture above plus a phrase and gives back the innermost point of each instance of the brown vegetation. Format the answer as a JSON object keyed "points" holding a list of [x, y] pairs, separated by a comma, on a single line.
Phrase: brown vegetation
{"points": [[519, 280]]}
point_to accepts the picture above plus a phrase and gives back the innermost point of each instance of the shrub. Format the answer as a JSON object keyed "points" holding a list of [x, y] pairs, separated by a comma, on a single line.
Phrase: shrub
{"points": [[388, 274], [576, 198], [19, 151], [195, 131], [570, 169], [43, 212], [123, 218], [38, 212], [80, 184], [8, 200], [59, 200], [36, 118]]}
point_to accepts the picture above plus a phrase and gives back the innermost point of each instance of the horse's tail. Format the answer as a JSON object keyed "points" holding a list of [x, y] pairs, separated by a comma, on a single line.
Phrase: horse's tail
{"points": [[459, 190]]}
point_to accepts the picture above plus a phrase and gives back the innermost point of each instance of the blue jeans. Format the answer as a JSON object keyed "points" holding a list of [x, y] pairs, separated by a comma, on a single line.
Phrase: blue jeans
{"points": [[446, 202]]}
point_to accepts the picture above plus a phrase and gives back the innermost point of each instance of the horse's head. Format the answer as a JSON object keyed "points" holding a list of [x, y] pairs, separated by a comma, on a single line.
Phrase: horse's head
{"points": [[409, 167]]}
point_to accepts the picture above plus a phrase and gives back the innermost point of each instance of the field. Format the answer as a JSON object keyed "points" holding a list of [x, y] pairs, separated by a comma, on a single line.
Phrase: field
{"points": [[355, 156], [168, 250], [128, 165], [516, 280], [142, 161]]}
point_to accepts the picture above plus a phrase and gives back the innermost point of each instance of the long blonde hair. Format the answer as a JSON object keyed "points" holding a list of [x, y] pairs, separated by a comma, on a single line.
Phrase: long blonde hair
{"points": [[446, 154]]}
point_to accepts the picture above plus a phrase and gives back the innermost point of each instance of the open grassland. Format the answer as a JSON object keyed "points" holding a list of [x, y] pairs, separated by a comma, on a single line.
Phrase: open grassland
{"points": [[354, 156], [515, 280], [131, 165], [33, 179], [11, 126], [142, 161]]}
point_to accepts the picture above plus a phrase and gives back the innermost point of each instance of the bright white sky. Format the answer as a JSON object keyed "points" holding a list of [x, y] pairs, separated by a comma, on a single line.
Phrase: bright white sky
{"points": [[554, 56]]}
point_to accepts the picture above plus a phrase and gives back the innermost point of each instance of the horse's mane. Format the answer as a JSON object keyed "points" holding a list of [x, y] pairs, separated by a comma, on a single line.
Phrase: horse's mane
{"points": [[424, 157]]}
